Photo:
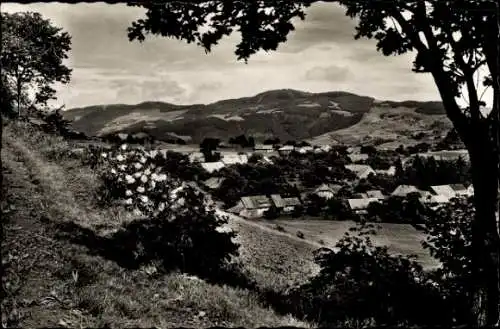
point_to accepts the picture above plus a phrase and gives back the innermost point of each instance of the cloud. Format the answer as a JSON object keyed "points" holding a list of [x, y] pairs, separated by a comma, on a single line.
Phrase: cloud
{"points": [[320, 55], [327, 73]]}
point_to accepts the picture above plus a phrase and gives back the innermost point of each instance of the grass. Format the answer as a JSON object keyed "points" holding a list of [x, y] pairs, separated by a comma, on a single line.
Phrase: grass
{"points": [[50, 281], [274, 261], [400, 238]]}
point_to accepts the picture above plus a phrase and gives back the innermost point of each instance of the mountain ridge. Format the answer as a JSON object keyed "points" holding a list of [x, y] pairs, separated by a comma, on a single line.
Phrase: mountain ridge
{"points": [[288, 114]]}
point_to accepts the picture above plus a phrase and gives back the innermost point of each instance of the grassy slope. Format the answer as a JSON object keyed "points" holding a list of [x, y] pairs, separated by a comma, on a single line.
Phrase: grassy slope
{"points": [[399, 238], [53, 281], [390, 124]]}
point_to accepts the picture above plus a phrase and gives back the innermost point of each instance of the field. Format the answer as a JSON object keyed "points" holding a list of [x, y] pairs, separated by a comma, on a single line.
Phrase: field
{"points": [[399, 238]]}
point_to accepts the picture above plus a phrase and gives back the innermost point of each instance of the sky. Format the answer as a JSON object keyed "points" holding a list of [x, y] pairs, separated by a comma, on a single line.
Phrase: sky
{"points": [[321, 55]]}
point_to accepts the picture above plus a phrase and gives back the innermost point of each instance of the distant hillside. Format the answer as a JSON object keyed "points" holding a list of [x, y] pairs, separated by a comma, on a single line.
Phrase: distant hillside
{"points": [[287, 114]]}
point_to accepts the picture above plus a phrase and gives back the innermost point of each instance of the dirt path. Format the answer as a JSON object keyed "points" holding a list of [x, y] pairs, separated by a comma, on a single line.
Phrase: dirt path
{"points": [[256, 224], [263, 227]]}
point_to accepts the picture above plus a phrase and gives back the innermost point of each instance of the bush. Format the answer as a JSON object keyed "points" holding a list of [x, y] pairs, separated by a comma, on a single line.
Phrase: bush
{"points": [[279, 228], [271, 213], [179, 226], [364, 284]]}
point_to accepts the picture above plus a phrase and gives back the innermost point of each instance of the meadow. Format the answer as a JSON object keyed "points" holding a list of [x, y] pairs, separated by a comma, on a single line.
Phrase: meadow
{"points": [[399, 238]]}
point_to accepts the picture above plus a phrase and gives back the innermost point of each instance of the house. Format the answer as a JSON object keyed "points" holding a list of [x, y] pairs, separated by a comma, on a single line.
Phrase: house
{"points": [[361, 171], [389, 172], [460, 190], [356, 157], [444, 190], [404, 190], [263, 148], [266, 160], [214, 182], [327, 191], [305, 149], [286, 149], [254, 206], [354, 149], [196, 157], [446, 155], [470, 190], [231, 159], [212, 166], [122, 137], [435, 199], [359, 206], [285, 204], [326, 148], [375, 194], [319, 150]]}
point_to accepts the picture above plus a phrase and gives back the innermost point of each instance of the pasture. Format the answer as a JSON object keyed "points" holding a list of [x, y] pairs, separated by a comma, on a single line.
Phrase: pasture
{"points": [[399, 238]]}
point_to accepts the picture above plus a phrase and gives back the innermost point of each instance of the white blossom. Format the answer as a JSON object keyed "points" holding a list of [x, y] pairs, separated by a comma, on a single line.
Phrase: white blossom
{"points": [[161, 207], [161, 178], [128, 201], [122, 167], [144, 198], [143, 159], [123, 146], [104, 155], [113, 171], [144, 178], [153, 153], [128, 193], [137, 174], [137, 165], [130, 179], [140, 189], [120, 157], [147, 172]]}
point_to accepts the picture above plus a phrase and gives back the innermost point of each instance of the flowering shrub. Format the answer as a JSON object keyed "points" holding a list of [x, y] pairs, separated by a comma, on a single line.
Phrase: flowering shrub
{"points": [[179, 225]]}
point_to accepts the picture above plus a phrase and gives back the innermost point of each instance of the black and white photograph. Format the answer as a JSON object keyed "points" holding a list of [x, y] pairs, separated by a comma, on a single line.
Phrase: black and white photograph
{"points": [[259, 163]]}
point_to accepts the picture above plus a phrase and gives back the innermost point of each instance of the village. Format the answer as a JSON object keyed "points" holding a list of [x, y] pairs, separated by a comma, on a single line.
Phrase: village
{"points": [[256, 206]]}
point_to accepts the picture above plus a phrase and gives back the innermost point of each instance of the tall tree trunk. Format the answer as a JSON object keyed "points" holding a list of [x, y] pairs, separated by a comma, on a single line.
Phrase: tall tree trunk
{"points": [[485, 238]]}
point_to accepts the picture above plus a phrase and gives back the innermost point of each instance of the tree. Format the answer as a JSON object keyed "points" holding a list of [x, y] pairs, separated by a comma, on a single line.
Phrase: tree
{"points": [[452, 40], [32, 57]]}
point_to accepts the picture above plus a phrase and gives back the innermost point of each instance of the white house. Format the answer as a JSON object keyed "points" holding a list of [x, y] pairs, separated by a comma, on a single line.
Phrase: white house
{"points": [[445, 190], [263, 148], [470, 190], [196, 157], [460, 190], [286, 149], [389, 172], [375, 194], [359, 206], [326, 191], [305, 149], [231, 159], [355, 157], [361, 171], [212, 166]]}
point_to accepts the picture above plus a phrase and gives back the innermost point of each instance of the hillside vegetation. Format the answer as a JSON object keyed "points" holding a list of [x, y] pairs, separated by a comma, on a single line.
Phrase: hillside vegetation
{"points": [[286, 114], [55, 273]]}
